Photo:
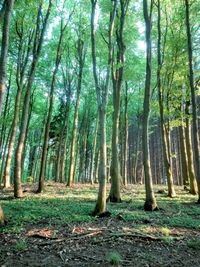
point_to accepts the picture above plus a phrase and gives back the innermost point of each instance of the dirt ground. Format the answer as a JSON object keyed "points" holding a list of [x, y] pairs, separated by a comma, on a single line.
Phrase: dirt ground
{"points": [[107, 241], [93, 244]]}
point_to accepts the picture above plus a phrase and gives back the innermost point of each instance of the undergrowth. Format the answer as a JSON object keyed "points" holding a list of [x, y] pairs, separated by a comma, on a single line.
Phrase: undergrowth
{"points": [[61, 205]]}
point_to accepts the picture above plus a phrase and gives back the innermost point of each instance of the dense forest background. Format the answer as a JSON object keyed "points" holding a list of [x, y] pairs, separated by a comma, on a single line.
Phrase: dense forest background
{"points": [[100, 91]]}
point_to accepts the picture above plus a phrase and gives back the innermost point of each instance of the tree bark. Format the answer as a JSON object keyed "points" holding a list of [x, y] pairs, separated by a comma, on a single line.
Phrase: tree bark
{"points": [[4, 48], [81, 59], [49, 115], [94, 150], [193, 97], [25, 112], [150, 202], [167, 162], [191, 173], [117, 77], [102, 95], [184, 163]]}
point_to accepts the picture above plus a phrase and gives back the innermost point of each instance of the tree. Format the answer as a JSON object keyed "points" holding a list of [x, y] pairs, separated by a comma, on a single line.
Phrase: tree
{"points": [[167, 163], [150, 202], [49, 115], [81, 60], [38, 41], [4, 47], [102, 97], [117, 79], [193, 96]]}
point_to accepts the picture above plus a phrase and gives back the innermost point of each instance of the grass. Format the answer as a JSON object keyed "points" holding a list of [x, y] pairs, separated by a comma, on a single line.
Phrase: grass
{"points": [[59, 206], [195, 244], [21, 245], [114, 258]]}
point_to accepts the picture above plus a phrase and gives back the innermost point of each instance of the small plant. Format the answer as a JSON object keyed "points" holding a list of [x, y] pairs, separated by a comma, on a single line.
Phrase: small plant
{"points": [[30, 179], [21, 245], [195, 244], [114, 258], [165, 231], [168, 239]]}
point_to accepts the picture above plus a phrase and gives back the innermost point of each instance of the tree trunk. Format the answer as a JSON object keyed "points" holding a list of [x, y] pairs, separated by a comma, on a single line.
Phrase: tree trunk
{"points": [[193, 97], [81, 57], [49, 115], [4, 48], [167, 162], [101, 199], [102, 95], [117, 77], [94, 150], [150, 202], [25, 113], [184, 163], [125, 178], [193, 184], [12, 140]]}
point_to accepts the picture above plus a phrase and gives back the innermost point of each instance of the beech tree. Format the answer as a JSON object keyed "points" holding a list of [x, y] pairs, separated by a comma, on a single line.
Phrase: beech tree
{"points": [[150, 202], [38, 41], [102, 95], [8, 6], [193, 96]]}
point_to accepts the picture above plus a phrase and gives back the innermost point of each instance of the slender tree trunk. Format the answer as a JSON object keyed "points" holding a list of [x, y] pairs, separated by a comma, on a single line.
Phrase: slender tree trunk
{"points": [[101, 199], [73, 142], [117, 78], [81, 57], [193, 184], [5, 147], [94, 150], [193, 97], [96, 169], [12, 139], [4, 48], [184, 163], [49, 115], [5, 114], [115, 167], [25, 112], [125, 178], [167, 163], [102, 95], [150, 202]]}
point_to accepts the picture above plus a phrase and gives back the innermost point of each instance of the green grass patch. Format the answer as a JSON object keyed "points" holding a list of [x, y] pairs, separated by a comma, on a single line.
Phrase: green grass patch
{"points": [[58, 206]]}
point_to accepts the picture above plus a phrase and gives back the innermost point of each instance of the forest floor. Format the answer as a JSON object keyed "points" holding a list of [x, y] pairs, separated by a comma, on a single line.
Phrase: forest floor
{"points": [[55, 229]]}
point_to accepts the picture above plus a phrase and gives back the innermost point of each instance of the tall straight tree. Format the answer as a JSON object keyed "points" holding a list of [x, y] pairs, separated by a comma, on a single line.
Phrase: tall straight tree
{"points": [[81, 60], [4, 47], [167, 163], [41, 25], [102, 99], [3, 59], [117, 79], [22, 61], [193, 96], [49, 115], [188, 141], [150, 202]]}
